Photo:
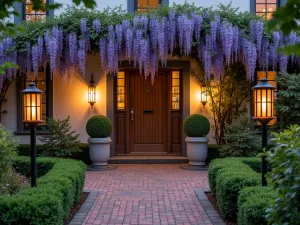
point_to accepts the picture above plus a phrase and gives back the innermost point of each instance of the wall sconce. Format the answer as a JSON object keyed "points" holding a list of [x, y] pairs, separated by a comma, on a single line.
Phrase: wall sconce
{"points": [[203, 95], [92, 92]]}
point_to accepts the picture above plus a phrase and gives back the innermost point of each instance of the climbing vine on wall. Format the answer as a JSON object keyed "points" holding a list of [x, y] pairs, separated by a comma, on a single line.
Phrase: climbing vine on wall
{"points": [[215, 37]]}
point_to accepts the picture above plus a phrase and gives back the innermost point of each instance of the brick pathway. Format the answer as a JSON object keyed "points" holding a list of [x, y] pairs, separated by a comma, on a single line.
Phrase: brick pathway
{"points": [[147, 194]]}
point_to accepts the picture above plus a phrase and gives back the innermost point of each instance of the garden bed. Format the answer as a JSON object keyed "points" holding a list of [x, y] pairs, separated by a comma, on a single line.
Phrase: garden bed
{"points": [[59, 187], [76, 207]]}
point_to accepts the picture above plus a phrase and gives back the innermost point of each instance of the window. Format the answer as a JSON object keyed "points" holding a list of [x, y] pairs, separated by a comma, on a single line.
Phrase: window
{"points": [[175, 90], [33, 15], [143, 5], [265, 8], [121, 90]]}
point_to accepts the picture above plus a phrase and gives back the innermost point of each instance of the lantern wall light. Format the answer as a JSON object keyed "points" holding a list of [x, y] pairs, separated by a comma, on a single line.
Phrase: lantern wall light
{"points": [[203, 94], [92, 92], [263, 99], [32, 116]]}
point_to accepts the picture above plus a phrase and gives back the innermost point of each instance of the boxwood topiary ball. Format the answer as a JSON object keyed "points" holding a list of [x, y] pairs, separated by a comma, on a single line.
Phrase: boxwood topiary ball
{"points": [[99, 126], [196, 125]]}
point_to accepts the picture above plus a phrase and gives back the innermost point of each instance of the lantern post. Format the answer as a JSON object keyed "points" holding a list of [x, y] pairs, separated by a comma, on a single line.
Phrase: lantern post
{"points": [[32, 116], [203, 95], [263, 100]]}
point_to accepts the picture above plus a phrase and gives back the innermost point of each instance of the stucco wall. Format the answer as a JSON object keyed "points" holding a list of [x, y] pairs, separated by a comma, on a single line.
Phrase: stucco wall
{"points": [[69, 98], [196, 106], [243, 5], [101, 4]]}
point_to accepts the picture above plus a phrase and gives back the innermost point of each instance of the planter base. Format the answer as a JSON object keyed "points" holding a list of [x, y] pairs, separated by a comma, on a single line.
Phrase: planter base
{"points": [[102, 168], [195, 168]]}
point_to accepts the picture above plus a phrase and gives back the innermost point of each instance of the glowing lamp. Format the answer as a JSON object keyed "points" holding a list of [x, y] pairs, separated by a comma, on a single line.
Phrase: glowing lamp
{"points": [[263, 97], [32, 104], [203, 95], [92, 92]]}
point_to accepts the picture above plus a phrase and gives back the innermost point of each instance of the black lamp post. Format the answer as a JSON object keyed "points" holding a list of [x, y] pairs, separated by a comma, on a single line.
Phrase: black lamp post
{"points": [[32, 115], [263, 96]]}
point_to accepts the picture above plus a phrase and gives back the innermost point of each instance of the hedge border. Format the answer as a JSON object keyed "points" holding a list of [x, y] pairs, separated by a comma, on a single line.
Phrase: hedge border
{"points": [[49, 203], [228, 177]]}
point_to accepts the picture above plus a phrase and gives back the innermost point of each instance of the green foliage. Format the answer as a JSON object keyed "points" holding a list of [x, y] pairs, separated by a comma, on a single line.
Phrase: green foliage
{"points": [[227, 96], [226, 178], [252, 204], [285, 177], [212, 152], [241, 138], [99, 126], [51, 201], [254, 163], [196, 125], [286, 19], [219, 164], [12, 183], [228, 184], [287, 104], [62, 141], [8, 146]]}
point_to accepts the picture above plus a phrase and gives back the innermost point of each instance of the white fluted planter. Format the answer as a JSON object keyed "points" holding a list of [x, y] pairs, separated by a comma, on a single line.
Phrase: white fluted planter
{"points": [[99, 149], [197, 150]]}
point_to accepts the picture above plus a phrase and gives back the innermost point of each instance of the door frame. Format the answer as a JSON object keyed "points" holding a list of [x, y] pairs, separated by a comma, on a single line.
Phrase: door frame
{"points": [[182, 65]]}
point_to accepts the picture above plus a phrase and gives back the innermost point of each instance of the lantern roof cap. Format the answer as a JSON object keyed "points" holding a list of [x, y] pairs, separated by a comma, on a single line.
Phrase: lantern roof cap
{"points": [[263, 84], [32, 89]]}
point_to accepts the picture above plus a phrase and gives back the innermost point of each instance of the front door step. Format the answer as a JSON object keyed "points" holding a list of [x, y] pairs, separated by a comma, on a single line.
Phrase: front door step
{"points": [[148, 160]]}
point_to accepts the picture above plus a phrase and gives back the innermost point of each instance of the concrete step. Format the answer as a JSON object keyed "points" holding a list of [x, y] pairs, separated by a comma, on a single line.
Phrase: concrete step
{"points": [[148, 160]]}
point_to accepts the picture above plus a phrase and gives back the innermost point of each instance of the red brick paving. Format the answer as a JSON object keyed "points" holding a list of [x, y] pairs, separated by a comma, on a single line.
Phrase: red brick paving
{"points": [[147, 194]]}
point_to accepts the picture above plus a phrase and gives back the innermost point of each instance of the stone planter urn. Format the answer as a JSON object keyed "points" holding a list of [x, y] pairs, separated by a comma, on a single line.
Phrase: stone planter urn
{"points": [[99, 128], [196, 127]]}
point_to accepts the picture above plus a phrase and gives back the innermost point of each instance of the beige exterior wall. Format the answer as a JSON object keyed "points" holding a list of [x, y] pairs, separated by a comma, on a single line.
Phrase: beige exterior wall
{"points": [[196, 106], [69, 98]]}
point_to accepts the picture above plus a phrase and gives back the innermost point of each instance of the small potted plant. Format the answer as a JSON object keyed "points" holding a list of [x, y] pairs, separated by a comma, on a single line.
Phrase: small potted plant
{"points": [[99, 128], [196, 127]]}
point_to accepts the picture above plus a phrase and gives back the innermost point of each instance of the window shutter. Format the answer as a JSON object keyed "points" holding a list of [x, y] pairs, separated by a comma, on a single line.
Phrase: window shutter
{"points": [[19, 7]]}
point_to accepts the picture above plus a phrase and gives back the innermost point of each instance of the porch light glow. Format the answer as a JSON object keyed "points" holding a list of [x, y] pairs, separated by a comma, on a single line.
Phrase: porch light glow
{"points": [[203, 95], [32, 104], [92, 92], [263, 97]]}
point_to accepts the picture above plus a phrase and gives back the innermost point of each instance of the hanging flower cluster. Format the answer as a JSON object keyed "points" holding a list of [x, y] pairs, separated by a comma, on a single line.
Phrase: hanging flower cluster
{"points": [[149, 40]]}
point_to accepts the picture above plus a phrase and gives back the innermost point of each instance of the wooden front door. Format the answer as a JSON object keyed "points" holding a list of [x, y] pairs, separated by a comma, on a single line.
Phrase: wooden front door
{"points": [[148, 105], [147, 116]]}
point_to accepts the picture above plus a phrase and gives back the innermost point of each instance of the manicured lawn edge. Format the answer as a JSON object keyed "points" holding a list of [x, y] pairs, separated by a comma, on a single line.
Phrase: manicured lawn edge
{"points": [[57, 191]]}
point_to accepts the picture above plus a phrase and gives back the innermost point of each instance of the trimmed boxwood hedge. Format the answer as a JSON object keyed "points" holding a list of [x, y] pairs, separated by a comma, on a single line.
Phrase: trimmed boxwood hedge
{"points": [[58, 188], [227, 177], [252, 203]]}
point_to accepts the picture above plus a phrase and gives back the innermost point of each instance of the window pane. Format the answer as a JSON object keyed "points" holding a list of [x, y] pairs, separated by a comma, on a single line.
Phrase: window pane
{"points": [[260, 8], [271, 8]]}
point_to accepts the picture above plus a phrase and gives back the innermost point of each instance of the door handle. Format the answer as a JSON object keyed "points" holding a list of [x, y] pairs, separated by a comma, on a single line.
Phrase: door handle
{"points": [[132, 113]]}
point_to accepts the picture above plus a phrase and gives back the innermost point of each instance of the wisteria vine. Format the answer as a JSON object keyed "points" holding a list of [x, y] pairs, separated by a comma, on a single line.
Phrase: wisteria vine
{"points": [[149, 40]]}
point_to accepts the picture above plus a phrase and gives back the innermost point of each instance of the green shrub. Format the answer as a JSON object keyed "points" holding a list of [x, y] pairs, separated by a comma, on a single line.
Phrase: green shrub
{"points": [[99, 126], [8, 146], [241, 139], [228, 185], [51, 201], [252, 204], [254, 163], [219, 164], [12, 183], [62, 141], [212, 152], [285, 177], [196, 125]]}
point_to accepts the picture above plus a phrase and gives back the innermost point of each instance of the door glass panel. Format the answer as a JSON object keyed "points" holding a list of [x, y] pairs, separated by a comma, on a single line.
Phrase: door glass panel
{"points": [[121, 90], [175, 90]]}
